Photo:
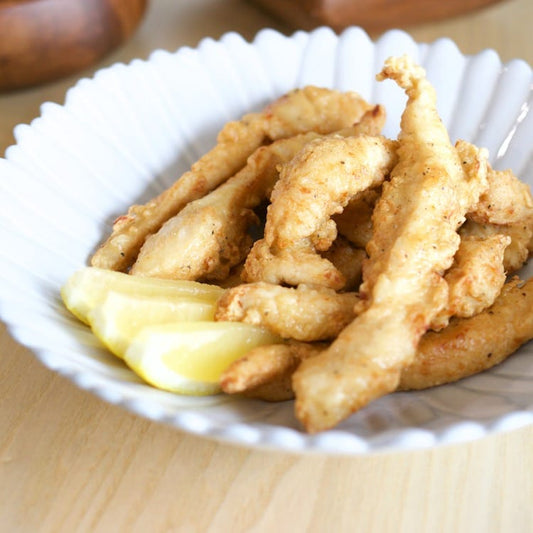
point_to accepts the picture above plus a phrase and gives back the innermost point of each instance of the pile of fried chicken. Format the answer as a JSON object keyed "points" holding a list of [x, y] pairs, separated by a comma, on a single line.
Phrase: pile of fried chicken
{"points": [[383, 264]]}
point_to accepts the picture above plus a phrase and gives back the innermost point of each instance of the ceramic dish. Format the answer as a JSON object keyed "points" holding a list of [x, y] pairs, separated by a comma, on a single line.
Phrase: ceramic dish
{"points": [[125, 134]]}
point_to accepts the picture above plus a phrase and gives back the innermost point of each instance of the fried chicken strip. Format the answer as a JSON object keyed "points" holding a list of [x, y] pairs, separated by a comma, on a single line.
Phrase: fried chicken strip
{"points": [[467, 346], [317, 183], [475, 278], [506, 201], [471, 345], [314, 313], [518, 250], [303, 313], [209, 236], [414, 241], [300, 111], [505, 208], [270, 365], [355, 222]]}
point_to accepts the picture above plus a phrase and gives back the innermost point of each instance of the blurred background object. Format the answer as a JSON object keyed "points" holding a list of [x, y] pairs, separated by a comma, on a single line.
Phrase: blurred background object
{"points": [[372, 15], [43, 40]]}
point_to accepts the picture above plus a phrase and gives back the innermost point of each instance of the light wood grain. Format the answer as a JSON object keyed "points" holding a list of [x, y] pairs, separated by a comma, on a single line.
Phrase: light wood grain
{"points": [[69, 462]]}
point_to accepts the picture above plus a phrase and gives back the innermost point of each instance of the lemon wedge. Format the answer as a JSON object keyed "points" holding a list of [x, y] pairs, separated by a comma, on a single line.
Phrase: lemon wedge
{"points": [[163, 329], [189, 357], [89, 287], [120, 317]]}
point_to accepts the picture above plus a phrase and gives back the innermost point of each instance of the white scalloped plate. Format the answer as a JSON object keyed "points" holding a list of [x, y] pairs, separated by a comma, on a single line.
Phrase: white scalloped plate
{"points": [[127, 133]]}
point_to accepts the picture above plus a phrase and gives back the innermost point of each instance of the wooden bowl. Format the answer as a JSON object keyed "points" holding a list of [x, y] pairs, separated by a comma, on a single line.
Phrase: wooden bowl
{"points": [[42, 40], [372, 15]]}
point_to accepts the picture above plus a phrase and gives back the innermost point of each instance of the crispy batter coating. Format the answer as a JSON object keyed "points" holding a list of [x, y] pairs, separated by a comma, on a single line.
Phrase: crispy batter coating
{"points": [[209, 236], [308, 314], [301, 110], [505, 208], [465, 347], [317, 183], [470, 345], [475, 279], [265, 372], [303, 313], [277, 390], [506, 201], [414, 241], [426, 232], [518, 250]]}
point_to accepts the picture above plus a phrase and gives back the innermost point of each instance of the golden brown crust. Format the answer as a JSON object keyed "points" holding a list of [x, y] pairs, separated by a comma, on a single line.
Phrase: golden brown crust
{"points": [[519, 249], [414, 240], [347, 205], [301, 110], [355, 222], [476, 277], [209, 236], [348, 260], [317, 183], [302, 313], [471, 345], [466, 347], [270, 367], [506, 201]]}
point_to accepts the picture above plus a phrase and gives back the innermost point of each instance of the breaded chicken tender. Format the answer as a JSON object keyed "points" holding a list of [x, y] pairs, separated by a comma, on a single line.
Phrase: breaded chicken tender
{"points": [[317, 183], [355, 222], [210, 236], [303, 313], [471, 345], [475, 279], [265, 371], [309, 314], [505, 208], [467, 346], [302, 110], [414, 241], [518, 250], [506, 201]]}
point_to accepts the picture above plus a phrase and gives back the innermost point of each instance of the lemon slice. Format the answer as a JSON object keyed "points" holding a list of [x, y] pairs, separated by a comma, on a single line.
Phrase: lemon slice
{"points": [[89, 287], [120, 317], [189, 357]]}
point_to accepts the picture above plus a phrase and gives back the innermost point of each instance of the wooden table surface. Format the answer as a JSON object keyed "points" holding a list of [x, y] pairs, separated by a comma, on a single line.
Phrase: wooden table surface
{"points": [[70, 462]]}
